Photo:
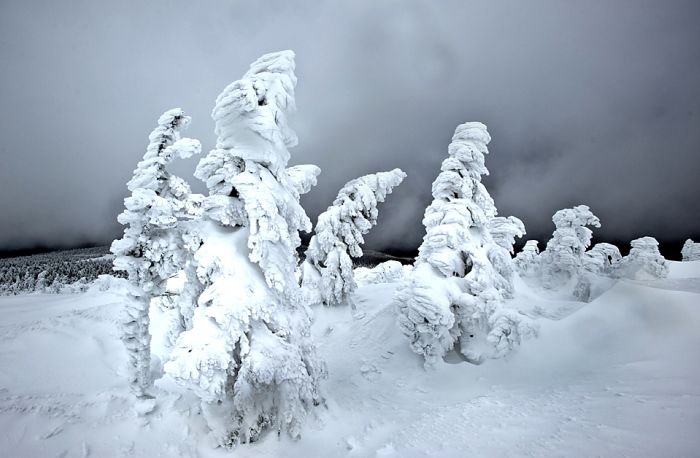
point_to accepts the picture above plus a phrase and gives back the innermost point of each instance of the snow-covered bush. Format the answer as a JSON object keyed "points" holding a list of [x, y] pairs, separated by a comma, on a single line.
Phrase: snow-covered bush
{"points": [[327, 274], [644, 261], [385, 272], [453, 298], [527, 261], [249, 354], [505, 230], [690, 251], [149, 251], [562, 261], [602, 259]]}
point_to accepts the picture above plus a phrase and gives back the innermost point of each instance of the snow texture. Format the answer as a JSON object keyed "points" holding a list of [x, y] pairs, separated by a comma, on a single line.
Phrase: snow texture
{"points": [[644, 261], [453, 298], [248, 354], [385, 272], [327, 273], [149, 251]]}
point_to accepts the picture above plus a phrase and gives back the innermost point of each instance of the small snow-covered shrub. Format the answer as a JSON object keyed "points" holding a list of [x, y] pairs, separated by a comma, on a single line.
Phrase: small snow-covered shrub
{"points": [[453, 298], [690, 251], [385, 272], [527, 261], [644, 261], [562, 261]]}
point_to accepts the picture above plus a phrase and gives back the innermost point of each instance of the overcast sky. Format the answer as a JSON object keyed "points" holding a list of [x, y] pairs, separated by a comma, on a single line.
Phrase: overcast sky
{"points": [[594, 102]]}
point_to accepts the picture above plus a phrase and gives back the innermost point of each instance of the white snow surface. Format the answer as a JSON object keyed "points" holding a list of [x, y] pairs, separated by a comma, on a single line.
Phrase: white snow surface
{"points": [[614, 377]]}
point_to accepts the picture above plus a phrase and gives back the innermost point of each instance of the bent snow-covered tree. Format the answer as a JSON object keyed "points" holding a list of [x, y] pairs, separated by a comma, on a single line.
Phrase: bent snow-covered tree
{"points": [[644, 261], [249, 354], [453, 298], [527, 261], [690, 251], [149, 250], [327, 274], [602, 259], [505, 230], [562, 261]]}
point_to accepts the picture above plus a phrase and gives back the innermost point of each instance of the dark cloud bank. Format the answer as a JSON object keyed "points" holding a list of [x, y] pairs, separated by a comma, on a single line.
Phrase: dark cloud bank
{"points": [[587, 102]]}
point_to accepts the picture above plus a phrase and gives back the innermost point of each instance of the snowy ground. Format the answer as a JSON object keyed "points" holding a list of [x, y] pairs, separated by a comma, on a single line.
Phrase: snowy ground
{"points": [[616, 377]]}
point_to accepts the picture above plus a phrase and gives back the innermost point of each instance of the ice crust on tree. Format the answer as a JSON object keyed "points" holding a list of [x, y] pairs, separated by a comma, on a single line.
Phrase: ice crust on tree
{"points": [[644, 261], [602, 259], [690, 251], [149, 251], [527, 261], [505, 230], [562, 261], [327, 272], [249, 354], [453, 298]]}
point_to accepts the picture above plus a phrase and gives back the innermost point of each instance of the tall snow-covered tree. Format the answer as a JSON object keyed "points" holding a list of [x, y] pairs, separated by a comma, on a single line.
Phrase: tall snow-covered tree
{"points": [[690, 251], [644, 261], [527, 261], [561, 262], [149, 252], [249, 355], [327, 274], [453, 298]]}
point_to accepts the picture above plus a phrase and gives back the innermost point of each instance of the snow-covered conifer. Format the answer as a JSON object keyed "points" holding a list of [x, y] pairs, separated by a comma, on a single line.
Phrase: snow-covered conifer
{"points": [[644, 261], [249, 354], [690, 251], [327, 274], [149, 250], [385, 272], [562, 260], [602, 259], [454, 295], [505, 230], [527, 261]]}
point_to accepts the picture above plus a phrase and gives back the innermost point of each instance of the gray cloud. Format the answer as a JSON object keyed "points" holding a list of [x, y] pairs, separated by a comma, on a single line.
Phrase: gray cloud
{"points": [[586, 103]]}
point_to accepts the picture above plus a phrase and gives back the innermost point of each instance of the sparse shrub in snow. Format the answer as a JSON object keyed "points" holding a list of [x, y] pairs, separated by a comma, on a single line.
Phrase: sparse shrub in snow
{"points": [[249, 354], [690, 251], [385, 272], [327, 274], [453, 298], [562, 261], [644, 261], [527, 261], [149, 251]]}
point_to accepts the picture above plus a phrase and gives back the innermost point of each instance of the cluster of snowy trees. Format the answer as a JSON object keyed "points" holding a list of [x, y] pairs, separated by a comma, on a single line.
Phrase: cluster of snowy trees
{"points": [[56, 272], [240, 329], [567, 261]]}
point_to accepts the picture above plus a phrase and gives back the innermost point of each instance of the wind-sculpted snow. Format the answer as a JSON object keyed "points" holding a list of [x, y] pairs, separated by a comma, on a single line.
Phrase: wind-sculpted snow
{"points": [[327, 271], [644, 261], [505, 230], [247, 353], [149, 252], [453, 298], [385, 272]]}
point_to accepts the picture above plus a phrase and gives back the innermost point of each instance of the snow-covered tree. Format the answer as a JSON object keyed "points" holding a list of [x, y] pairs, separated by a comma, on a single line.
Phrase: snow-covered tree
{"points": [[327, 274], [149, 250], [453, 298], [527, 261], [690, 251], [248, 354], [505, 230], [562, 260], [385, 272], [644, 261], [602, 259]]}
